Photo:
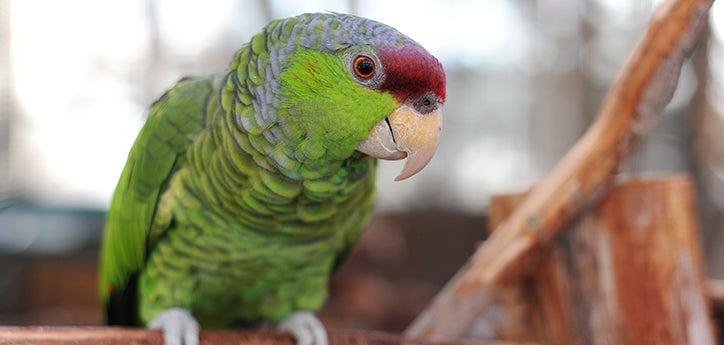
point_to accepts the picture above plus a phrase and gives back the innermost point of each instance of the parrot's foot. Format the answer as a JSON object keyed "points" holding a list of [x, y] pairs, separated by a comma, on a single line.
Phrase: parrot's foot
{"points": [[178, 325], [305, 328]]}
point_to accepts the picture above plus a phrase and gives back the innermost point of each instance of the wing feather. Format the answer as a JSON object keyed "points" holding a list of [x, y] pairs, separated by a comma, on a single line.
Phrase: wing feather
{"points": [[158, 152]]}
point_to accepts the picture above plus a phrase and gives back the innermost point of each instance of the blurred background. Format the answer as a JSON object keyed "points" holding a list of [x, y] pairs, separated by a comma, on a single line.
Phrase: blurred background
{"points": [[525, 78]]}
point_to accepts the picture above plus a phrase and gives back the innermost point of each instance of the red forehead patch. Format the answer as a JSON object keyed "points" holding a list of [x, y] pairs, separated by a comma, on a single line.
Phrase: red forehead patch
{"points": [[410, 71]]}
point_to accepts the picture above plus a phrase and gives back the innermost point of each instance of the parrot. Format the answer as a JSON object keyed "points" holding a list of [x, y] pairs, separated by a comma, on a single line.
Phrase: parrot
{"points": [[246, 189]]}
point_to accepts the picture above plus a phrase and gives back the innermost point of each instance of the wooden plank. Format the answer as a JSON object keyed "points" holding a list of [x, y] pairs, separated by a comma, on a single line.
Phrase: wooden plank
{"points": [[644, 87], [628, 272], [127, 336]]}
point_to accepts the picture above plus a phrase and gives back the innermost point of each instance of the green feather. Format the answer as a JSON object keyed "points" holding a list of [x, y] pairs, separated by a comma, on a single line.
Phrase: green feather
{"points": [[313, 73], [238, 216], [155, 155]]}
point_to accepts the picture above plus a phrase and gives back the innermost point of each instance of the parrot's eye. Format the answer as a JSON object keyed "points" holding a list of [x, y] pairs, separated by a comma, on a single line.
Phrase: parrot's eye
{"points": [[364, 67]]}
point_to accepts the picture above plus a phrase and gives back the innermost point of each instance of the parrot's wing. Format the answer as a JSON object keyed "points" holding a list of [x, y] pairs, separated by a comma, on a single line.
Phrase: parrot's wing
{"points": [[159, 150]]}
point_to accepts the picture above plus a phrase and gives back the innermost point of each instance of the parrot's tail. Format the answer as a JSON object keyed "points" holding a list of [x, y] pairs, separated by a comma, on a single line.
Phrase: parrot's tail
{"points": [[122, 305]]}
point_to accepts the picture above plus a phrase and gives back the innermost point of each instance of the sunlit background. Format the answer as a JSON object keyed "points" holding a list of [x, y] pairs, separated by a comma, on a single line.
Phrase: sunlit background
{"points": [[524, 81]]}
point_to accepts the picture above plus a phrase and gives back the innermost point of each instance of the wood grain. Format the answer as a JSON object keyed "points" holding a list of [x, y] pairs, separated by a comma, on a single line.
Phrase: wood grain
{"points": [[629, 271]]}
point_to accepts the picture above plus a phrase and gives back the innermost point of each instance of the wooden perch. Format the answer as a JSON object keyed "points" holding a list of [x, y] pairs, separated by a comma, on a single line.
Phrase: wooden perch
{"points": [[635, 256], [644, 87], [126, 336]]}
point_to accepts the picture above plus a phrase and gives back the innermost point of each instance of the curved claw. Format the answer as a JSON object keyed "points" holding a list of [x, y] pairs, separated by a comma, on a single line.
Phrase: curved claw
{"points": [[178, 325], [306, 328]]}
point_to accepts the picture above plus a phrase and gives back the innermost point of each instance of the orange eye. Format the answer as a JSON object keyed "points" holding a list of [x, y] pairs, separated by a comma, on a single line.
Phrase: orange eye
{"points": [[364, 67]]}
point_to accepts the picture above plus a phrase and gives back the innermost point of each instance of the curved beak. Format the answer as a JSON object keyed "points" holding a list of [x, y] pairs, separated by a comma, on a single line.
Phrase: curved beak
{"points": [[405, 133]]}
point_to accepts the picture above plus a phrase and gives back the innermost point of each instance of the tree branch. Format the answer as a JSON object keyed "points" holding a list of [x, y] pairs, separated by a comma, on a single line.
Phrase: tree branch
{"points": [[644, 87]]}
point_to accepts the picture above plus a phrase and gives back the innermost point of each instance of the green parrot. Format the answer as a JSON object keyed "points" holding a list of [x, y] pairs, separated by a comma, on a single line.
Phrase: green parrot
{"points": [[245, 189]]}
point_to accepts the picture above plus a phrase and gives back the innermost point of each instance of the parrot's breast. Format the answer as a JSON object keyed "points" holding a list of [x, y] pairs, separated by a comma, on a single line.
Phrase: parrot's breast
{"points": [[253, 256]]}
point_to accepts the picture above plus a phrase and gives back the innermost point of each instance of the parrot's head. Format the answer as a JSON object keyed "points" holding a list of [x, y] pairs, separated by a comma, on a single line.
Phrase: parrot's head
{"points": [[347, 84]]}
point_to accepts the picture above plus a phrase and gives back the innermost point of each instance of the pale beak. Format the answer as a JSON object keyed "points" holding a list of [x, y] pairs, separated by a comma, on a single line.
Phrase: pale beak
{"points": [[405, 133]]}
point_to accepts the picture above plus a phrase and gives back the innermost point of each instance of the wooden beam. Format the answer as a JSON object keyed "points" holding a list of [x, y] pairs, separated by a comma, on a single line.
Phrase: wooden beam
{"points": [[644, 87], [127, 336], [628, 272]]}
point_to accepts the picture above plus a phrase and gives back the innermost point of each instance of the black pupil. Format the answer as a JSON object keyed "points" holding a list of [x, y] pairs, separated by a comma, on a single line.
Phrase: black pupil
{"points": [[365, 67]]}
